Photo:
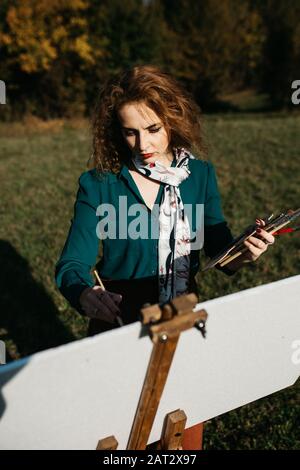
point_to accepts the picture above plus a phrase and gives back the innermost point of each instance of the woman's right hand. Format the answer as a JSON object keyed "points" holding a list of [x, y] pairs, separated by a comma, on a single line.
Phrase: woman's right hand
{"points": [[100, 304]]}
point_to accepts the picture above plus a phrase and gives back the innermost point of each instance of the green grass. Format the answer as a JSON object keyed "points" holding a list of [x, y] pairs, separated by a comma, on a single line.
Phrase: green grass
{"points": [[257, 161]]}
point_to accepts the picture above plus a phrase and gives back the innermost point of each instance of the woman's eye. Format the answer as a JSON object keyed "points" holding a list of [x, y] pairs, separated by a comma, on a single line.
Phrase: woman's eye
{"points": [[130, 133]]}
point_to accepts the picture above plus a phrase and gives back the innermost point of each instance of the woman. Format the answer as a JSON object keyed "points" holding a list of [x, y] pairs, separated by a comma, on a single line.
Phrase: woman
{"points": [[146, 131]]}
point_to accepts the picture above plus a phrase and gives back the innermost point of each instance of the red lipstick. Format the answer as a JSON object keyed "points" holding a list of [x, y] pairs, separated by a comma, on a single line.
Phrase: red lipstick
{"points": [[147, 155]]}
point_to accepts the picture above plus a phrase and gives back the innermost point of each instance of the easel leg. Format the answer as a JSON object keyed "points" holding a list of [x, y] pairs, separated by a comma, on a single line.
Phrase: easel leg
{"points": [[108, 443], [193, 437], [156, 377], [173, 430]]}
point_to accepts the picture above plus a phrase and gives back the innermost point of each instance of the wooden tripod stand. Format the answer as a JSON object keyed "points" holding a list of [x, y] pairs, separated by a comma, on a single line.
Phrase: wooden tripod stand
{"points": [[166, 325]]}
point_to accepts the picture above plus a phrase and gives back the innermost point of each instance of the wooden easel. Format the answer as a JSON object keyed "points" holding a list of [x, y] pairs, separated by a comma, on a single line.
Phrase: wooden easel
{"points": [[166, 325]]}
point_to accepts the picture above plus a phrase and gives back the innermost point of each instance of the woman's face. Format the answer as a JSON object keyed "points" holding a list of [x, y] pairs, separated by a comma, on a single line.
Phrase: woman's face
{"points": [[144, 133]]}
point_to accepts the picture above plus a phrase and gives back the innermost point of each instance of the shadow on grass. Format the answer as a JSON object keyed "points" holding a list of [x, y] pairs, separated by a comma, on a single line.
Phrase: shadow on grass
{"points": [[28, 315]]}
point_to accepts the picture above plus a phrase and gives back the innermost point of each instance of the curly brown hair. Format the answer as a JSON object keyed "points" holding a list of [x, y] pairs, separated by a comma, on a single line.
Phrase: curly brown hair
{"points": [[175, 107]]}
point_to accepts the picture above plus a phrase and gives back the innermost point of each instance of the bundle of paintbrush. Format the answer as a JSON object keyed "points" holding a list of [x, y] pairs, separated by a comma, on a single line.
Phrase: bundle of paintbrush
{"points": [[272, 225]]}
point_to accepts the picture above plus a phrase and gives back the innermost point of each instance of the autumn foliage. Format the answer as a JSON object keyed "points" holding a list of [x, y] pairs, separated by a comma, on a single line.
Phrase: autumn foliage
{"points": [[56, 53]]}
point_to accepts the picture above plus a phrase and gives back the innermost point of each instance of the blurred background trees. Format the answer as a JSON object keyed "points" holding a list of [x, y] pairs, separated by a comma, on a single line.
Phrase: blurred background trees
{"points": [[54, 54]]}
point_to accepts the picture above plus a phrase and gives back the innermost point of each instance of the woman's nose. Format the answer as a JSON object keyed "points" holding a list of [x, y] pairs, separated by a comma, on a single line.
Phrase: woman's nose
{"points": [[143, 142]]}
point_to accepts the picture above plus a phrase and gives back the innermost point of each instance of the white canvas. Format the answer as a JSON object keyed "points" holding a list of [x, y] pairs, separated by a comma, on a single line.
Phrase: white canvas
{"points": [[71, 396]]}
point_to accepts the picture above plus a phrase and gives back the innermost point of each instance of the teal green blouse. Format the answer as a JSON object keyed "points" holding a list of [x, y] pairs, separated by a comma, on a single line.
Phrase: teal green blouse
{"points": [[131, 258]]}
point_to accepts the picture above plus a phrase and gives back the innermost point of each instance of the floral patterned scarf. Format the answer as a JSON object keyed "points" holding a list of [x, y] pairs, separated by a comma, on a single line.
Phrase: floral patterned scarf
{"points": [[174, 230]]}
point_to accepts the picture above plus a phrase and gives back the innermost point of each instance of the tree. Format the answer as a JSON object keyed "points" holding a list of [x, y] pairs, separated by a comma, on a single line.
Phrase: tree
{"points": [[281, 54], [217, 45], [46, 49]]}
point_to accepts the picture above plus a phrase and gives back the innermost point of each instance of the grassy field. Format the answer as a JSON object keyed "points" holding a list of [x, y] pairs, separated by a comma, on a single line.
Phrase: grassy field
{"points": [[257, 161]]}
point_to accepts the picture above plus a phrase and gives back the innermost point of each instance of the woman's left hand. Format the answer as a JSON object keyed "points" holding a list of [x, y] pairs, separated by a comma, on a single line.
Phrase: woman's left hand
{"points": [[258, 246]]}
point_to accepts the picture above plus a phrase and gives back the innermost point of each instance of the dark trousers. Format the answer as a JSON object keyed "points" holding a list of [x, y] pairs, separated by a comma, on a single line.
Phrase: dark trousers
{"points": [[135, 293]]}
